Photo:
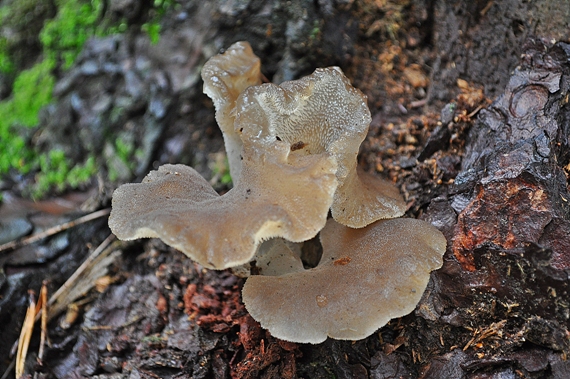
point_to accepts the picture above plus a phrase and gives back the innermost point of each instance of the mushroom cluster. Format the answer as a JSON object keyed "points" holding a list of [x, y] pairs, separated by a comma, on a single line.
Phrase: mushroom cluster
{"points": [[292, 151]]}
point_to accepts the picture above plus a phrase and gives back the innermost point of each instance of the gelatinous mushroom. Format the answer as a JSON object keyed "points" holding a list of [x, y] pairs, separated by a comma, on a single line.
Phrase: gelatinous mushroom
{"points": [[319, 113], [276, 196], [273, 257], [365, 278], [278, 256], [225, 77]]}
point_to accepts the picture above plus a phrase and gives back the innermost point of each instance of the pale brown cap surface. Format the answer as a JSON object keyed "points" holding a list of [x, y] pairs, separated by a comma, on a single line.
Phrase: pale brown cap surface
{"points": [[366, 277], [273, 198], [320, 113], [225, 77]]}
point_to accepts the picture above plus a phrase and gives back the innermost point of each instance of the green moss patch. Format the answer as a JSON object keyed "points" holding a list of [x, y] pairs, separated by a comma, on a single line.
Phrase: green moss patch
{"points": [[58, 42]]}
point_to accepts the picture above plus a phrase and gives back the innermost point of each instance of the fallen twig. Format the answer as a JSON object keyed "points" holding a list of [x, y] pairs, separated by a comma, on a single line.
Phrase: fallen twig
{"points": [[65, 288], [25, 336], [54, 230], [9, 369], [43, 335], [474, 112], [51, 308]]}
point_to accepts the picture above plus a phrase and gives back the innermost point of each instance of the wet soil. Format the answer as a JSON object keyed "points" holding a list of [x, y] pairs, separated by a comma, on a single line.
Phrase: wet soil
{"points": [[470, 120]]}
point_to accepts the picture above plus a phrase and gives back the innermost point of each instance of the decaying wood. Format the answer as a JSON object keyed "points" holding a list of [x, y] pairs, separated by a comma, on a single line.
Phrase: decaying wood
{"points": [[507, 221]]}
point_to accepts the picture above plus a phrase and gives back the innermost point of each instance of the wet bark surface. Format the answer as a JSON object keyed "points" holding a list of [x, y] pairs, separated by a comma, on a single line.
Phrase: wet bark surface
{"points": [[508, 275], [471, 127]]}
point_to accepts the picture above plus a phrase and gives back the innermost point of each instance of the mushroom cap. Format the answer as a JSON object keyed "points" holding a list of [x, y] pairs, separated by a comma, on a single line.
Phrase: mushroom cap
{"points": [[363, 198], [225, 77], [365, 278], [319, 113], [273, 198]]}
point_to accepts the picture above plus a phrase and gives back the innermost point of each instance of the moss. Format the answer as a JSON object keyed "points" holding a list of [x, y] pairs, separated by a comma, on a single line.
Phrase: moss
{"points": [[63, 36], [55, 172], [61, 40], [81, 174], [120, 157], [316, 31], [22, 21], [6, 64], [221, 170], [125, 151], [68, 24], [153, 31], [32, 90], [152, 28]]}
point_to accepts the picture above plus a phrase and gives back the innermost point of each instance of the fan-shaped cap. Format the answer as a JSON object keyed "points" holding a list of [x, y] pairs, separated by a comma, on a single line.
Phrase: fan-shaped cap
{"points": [[273, 198], [365, 278], [225, 77], [319, 113]]}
